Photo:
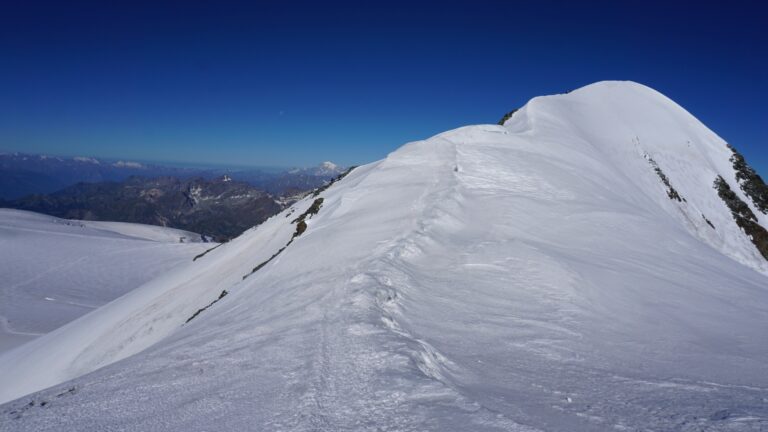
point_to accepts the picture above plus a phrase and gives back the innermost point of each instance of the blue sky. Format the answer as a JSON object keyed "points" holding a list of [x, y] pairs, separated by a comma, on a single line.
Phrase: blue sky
{"points": [[292, 83]]}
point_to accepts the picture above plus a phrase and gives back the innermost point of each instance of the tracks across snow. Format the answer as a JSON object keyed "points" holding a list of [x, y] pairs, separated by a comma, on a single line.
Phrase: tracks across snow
{"points": [[367, 370]]}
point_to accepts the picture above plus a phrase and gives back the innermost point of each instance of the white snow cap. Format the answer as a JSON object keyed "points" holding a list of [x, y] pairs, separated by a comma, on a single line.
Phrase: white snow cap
{"points": [[329, 165], [86, 160], [127, 164], [328, 168]]}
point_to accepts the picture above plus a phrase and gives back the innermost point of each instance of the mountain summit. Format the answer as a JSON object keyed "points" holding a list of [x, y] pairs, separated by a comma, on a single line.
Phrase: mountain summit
{"points": [[324, 169], [328, 167], [594, 263]]}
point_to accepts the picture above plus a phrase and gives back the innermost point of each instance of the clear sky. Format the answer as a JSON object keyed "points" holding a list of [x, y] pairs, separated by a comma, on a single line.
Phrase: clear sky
{"points": [[291, 83]]}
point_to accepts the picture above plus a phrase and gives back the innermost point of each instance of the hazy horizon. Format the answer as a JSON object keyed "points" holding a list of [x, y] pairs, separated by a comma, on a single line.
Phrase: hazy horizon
{"points": [[170, 163]]}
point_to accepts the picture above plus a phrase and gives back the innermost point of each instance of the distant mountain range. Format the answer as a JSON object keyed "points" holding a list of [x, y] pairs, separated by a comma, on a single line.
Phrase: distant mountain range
{"points": [[23, 174], [220, 208], [218, 203]]}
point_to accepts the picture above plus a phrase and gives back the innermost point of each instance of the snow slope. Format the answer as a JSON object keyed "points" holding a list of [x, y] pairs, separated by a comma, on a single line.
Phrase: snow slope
{"points": [[55, 270], [531, 276]]}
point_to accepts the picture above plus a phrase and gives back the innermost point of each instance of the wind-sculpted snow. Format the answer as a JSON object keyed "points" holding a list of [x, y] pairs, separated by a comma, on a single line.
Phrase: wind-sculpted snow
{"points": [[534, 276]]}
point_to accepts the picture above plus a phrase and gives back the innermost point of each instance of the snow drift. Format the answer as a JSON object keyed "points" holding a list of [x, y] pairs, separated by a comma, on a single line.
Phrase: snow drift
{"points": [[574, 269]]}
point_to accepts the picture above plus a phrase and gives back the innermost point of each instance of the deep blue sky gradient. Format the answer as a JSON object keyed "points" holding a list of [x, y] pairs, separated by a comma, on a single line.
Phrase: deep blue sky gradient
{"points": [[292, 83]]}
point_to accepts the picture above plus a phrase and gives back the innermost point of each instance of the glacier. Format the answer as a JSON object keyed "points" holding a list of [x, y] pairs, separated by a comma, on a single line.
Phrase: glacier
{"points": [[56, 270]]}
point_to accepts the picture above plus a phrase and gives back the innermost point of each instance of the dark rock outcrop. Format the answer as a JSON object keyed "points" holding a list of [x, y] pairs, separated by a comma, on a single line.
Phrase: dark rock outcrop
{"points": [[751, 183], [671, 192], [743, 216], [507, 116]]}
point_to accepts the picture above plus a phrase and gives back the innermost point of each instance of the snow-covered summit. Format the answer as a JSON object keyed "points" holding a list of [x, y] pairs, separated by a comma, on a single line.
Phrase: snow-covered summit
{"points": [[329, 167], [127, 164], [85, 159], [575, 269], [325, 169], [644, 142]]}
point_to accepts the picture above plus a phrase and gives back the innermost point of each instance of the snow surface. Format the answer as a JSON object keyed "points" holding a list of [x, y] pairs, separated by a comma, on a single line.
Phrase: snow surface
{"points": [[55, 270], [531, 276]]}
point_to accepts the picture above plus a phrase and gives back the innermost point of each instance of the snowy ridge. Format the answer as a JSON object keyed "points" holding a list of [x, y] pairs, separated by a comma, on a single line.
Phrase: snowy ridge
{"points": [[532, 276]]}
